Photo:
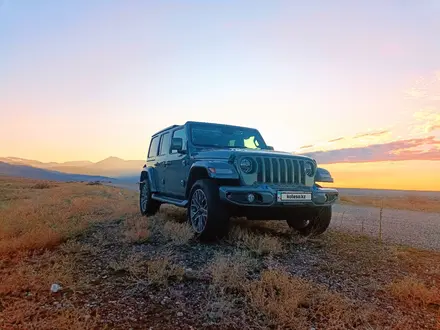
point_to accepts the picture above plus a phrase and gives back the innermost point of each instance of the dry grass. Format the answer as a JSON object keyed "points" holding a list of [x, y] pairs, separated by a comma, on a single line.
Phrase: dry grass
{"points": [[178, 233], [160, 271], [261, 244], [296, 303], [230, 272], [409, 203], [133, 264], [136, 229], [47, 217], [412, 291], [43, 185]]}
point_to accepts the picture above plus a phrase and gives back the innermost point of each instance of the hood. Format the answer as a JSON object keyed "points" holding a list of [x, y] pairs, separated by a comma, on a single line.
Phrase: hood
{"points": [[213, 153]]}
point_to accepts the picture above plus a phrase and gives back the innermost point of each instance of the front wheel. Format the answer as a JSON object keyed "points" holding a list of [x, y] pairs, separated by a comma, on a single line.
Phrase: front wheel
{"points": [[206, 215], [147, 205], [316, 225]]}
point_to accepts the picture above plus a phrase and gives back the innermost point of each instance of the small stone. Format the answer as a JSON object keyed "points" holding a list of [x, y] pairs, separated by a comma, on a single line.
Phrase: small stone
{"points": [[179, 314], [55, 288]]}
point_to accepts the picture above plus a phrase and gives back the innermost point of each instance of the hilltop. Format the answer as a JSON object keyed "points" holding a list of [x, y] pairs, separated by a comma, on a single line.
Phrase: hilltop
{"points": [[109, 167]]}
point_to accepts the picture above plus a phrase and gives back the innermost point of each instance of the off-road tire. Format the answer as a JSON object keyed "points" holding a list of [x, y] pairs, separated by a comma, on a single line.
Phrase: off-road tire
{"points": [[317, 225], [217, 221], [152, 206]]}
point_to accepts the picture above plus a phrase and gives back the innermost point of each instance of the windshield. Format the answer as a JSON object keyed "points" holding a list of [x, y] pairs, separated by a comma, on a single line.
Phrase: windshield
{"points": [[222, 136]]}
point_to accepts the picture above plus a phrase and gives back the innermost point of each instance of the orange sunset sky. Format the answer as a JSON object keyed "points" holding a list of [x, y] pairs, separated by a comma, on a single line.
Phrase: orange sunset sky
{"points": [[354, 84]]}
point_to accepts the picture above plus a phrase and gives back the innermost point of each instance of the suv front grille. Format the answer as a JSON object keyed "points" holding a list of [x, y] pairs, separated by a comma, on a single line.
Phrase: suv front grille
{"points": [[280, 170]]}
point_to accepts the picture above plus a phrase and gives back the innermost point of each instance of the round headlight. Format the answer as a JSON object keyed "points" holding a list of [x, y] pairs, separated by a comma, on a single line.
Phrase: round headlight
{"points": [[309, 168], [246, 165]]}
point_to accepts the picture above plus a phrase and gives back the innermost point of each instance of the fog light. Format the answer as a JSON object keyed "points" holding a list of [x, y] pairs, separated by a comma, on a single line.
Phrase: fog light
{"points": [[251, 198]]}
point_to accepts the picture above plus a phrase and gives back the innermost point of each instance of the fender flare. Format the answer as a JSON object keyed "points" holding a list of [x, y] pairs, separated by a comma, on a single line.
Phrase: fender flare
{"points": [[216, 169], [147, 174], [323, 175], [212, 169]]}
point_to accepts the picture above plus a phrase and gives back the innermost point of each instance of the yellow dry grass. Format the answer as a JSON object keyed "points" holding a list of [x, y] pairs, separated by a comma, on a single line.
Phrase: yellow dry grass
{"points": [[409, 203], [412, 291], [33, 219], [261, 244]]}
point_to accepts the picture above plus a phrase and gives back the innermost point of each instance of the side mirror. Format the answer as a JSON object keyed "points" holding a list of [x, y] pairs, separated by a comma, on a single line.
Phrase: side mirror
{"points": [[270, 148], [177, 144]]}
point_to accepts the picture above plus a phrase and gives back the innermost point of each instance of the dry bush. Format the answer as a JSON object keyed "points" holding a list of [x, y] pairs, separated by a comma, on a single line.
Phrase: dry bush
{"points": [[229, 272], [279, 296], [134, 264], [423, 263], [260, 244], [94, 183], [136, 229], [175, 213], [42, 185], [175, 232], [178, 233], [51, 216], [160, 271], [296, 303], [413, 292]]}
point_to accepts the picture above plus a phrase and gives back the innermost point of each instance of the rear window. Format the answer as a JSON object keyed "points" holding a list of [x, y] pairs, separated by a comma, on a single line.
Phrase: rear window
{"points": [[153, 147], [165, 144]]}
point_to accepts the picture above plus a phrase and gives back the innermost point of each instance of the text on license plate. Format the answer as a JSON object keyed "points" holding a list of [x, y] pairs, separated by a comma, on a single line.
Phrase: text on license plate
{"points": [[293, 196]]}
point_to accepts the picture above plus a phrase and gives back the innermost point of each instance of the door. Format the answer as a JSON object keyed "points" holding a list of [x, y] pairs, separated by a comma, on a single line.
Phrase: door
{"points": [[177, 169], [153, 162], [161, 162]]}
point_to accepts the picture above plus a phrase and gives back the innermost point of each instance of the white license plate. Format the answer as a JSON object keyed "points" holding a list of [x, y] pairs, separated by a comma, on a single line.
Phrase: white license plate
{"points": [[293, 196]]}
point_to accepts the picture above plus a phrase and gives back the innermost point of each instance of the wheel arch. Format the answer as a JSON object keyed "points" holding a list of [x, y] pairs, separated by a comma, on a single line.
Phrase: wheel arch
{"points": [[148, 174], [196, 173]]}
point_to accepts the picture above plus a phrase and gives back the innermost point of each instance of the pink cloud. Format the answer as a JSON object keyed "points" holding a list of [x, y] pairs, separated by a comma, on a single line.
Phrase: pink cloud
{"points": [[391, 151]]}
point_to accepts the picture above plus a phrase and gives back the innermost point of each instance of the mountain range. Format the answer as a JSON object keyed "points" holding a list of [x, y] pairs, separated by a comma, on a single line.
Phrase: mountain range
{"points": [[107, 169]]}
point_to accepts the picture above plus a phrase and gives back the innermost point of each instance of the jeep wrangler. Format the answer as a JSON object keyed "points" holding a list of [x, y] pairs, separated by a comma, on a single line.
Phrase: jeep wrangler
{"points": [[220, 171]]}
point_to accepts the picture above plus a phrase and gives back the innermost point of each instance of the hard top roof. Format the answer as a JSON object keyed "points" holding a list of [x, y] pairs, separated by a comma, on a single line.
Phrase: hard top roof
{"points": [[196, 122]]}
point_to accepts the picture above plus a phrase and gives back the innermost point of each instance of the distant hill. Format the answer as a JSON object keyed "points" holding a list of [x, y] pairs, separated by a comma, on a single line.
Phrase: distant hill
{"points": [[111, 166], [30, 172]]}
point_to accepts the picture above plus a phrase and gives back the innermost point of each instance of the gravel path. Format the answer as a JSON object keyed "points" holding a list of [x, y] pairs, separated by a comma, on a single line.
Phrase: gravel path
{"points": [[418, 229]]}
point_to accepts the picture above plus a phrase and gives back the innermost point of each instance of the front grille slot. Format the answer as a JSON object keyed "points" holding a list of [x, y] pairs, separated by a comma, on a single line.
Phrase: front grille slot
{"points": [[280, 170], [276, 175], [283, 172]]}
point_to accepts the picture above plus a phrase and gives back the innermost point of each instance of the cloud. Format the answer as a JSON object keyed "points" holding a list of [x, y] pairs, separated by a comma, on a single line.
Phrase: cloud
{"points": [[376, 133], [337, 139], [307, 146], [411, 149], [416, 93], [427, 120]]}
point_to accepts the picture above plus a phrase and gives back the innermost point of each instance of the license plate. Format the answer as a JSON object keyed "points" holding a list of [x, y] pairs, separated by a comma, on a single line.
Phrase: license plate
{"points": [[293, 196]]}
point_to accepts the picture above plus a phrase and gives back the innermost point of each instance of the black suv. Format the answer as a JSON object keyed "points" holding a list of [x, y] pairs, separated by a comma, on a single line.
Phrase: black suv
{"points": [[218, 171]]}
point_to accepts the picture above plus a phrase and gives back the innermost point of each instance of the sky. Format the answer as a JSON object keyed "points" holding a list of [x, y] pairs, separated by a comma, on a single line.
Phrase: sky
{"points": [[354, 84]]}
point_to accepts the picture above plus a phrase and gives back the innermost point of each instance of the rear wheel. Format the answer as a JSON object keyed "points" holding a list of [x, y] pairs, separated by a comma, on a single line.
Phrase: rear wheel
{"points": [[316, 225], [206, 214], [147, 205]]}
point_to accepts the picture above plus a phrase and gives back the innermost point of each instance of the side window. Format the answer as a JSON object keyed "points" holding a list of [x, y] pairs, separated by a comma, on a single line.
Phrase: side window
{"points": [[165, 144], [180, 133], [153, 147]]}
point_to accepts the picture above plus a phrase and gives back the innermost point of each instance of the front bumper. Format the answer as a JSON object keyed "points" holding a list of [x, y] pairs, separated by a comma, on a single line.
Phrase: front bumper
{"points": [[267, 196]]}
